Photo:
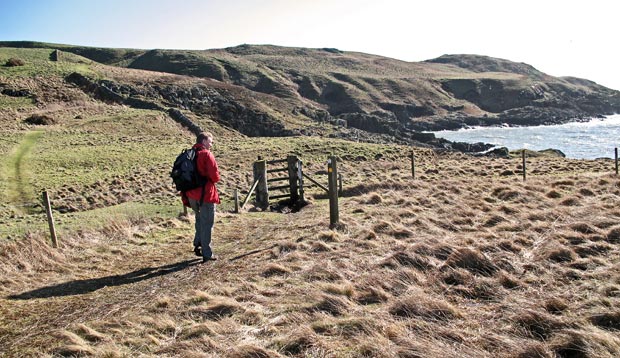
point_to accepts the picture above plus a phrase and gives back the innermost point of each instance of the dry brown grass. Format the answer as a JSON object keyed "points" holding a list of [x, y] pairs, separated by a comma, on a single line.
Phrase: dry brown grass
{"points": [[454, 264], [418, 305]]}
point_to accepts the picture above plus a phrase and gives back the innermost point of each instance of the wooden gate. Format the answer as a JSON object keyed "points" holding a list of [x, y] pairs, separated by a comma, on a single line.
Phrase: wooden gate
{"points": [[273, 182]]}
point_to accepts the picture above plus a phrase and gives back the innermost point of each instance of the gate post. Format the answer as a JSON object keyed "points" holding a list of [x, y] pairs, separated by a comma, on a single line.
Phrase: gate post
{"points": [[292, 177], [300, 177], [523, 159], [616, 155], [332, 176], [236, 199], [260, 174], [50, 219]]}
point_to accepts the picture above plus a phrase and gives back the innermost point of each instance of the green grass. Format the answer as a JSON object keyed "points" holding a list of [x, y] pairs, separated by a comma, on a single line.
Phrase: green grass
{"points": [[102, 147], [134, 146], [15, 102], [38, 63], [91, 220]]}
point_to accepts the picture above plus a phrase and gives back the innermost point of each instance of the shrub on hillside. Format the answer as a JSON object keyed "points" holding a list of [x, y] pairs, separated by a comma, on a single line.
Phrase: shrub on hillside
{"points": [[40, 119], [13, 62]]}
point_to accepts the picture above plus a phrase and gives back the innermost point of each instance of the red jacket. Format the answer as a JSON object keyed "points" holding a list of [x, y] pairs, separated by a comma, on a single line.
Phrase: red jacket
{"points": [[207, 167]]}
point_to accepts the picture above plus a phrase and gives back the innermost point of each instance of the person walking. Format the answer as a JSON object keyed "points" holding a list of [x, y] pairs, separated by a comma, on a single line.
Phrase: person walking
{"points": [[203, 199]]}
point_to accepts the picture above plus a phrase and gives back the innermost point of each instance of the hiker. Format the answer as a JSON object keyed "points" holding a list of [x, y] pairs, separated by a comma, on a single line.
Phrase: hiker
{"points": [[203, 199]]}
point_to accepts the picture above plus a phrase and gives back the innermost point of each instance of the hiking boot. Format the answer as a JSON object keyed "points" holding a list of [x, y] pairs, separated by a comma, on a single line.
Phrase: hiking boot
{"points": [[197, 251], [207, 259]]}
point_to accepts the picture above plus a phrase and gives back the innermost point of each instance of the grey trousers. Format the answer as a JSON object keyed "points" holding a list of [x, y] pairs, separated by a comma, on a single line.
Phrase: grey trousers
{"points": [[205, 217]]}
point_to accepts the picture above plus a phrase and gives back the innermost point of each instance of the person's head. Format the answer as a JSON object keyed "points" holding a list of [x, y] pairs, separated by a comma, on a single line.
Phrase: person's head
{"points": [[205, 138]]}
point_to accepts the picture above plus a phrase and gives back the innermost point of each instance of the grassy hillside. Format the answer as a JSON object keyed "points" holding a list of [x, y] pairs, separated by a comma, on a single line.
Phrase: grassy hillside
{"points": [[465, 260], [379, 94]]}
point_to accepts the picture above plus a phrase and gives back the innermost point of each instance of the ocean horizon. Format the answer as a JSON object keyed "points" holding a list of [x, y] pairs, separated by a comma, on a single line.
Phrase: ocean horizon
{"points": [[593, 139]]}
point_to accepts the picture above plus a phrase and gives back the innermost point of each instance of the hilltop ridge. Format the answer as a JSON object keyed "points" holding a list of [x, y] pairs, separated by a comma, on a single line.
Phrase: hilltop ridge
{"points": [[365, 93]]}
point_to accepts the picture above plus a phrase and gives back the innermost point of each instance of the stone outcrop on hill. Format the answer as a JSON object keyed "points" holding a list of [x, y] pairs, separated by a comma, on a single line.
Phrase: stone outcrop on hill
{"points": [[198, 99]]}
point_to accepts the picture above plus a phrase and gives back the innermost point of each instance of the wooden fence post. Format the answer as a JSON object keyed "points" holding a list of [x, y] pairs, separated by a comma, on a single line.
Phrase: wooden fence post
{"points": [[300, 177], [616, 152], [236, 198], [50, 219], [260, 174], [412, 165], [293, 181], [332, 176], [523, 158]]}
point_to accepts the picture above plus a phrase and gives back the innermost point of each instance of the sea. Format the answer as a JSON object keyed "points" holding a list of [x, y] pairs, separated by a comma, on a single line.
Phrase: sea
{"points": [[596, 138]]}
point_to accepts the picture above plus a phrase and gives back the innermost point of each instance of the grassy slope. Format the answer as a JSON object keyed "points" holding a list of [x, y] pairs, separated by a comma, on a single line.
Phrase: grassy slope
{"points": [[465, 261]]}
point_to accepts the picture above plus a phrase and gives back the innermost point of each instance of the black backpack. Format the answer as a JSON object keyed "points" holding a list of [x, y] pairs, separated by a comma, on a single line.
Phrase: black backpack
{"points": [[184, 172]]}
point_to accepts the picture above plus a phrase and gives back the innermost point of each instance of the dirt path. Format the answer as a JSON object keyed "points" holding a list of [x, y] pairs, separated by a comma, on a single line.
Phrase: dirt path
{"points": [[29, 317], [18, 176]]}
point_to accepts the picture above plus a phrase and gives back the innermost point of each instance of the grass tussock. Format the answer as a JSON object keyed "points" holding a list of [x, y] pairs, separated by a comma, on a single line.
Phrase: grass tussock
{"points": [[536, 324], [534, 350], [299, 342], [509, 281], [73, 346], [321, 272], [346, 327], [344, 289], [198, 330], [197, 297], [374, 199], [494, 221], [14, 62], [613, 235], [572, 201], [216, 309], [572, 344], [74, 350], [481, 289], [274, 269], [583, 228], [371, 295], [90, 334], [329, 236], [252, 351], [456, 276], [471, 260], [421, 306], [333, 305], [607, 320], [559, 253], [403, 258], [556, 305], [506, 193], [320, 246]]}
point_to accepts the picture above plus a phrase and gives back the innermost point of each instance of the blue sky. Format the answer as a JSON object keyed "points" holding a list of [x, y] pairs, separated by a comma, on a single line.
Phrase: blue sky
{"points": [[567, 38]]}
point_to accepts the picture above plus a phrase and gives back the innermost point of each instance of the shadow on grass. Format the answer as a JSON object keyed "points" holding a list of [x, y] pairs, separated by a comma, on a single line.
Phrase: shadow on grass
{"points": [[252, 253], [79, 287]]}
